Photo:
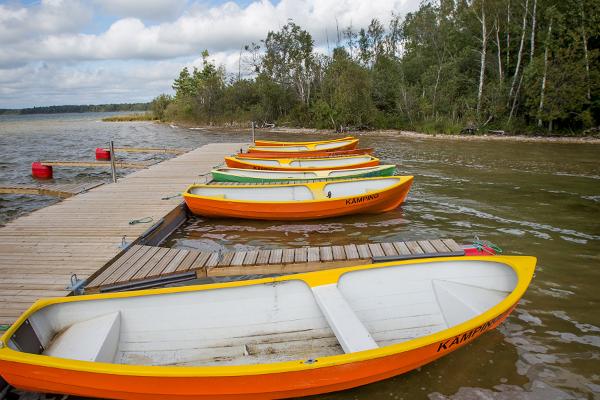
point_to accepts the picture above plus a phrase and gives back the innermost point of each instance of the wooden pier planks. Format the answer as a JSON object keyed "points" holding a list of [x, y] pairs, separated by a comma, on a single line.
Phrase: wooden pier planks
{"points": [[62, 190], [139, 265], [80, 235]]}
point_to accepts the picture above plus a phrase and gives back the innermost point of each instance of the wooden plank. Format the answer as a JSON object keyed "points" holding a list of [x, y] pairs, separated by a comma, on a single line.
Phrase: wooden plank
{"points": [[326, 253], [351, 252], [117, 272], [115, 265], [263, 257], [338, 253], [155, 259], [301, 255], [313, 254], [213, 260], [162, 264], [275, 256], [363, 251], [226, 258], [452, 245], [389, 249], [426, 246], [238, 258], [251, 257], [288, 256], [174, 263], [200, 262], [376, 250], [440, 247], [188, 261], [401, 248], [414, 247], [129, 273]]}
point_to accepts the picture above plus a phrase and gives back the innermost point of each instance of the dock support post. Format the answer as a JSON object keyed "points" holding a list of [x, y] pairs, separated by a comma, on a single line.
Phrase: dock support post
{"points": [[113, 168], [253, 141]]}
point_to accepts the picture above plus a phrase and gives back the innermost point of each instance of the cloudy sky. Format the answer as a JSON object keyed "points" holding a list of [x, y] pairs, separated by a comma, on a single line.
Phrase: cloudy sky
{"points": [[116, 51]]}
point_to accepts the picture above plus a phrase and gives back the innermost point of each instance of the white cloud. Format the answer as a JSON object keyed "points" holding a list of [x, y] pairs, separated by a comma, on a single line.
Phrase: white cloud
{"points": [[18, 23], [46, 55], [156, 10]]}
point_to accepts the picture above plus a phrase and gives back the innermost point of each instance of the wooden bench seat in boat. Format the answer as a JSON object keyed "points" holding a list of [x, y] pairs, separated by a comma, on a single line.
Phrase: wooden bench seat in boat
{"points": [[349, 331], [95, 339]]}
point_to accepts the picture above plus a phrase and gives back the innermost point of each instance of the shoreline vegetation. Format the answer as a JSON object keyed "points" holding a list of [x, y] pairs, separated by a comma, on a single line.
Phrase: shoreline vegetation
{"points": [[527, 68], [398, 133], [131, 117]]}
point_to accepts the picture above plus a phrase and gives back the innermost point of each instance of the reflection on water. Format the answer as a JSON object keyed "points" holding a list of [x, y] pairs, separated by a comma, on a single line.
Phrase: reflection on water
{"points": [[537, 199]]}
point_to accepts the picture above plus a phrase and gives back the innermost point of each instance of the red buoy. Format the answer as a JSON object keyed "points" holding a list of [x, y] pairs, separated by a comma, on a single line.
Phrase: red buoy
{"points": [[102, 154], [41, 171]]}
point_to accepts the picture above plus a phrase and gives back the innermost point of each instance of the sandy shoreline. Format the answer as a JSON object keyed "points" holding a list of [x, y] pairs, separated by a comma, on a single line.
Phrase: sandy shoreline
{"points": [[407, 134]]}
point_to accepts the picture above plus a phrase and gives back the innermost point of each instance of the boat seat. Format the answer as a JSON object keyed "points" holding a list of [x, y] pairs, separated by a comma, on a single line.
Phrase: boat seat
{"points": [[96, 340], [349, 330]]}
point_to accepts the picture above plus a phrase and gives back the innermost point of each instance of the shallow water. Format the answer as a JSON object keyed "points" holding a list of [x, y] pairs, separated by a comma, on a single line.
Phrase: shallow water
{"points": [[535, 199]]}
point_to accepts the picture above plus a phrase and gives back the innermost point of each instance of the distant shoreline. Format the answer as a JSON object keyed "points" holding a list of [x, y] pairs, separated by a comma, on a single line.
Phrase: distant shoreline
{"points": [[400, 133]]}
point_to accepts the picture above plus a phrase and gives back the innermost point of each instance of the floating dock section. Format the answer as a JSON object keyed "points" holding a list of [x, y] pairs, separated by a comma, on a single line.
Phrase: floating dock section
{"points": [[40, 252]]}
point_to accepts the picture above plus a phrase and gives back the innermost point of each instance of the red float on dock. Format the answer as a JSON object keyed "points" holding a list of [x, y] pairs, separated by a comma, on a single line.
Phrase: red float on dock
{"points": [[41, 171], [102, 154]]}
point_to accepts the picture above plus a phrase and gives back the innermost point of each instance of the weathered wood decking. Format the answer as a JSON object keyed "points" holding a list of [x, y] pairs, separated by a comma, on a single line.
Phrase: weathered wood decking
{"points": [[147, 265], [80, 235], [62, 190]]}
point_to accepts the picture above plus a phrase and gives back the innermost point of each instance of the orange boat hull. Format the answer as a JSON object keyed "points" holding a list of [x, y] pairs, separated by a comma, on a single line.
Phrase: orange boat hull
{"points": [[305, 154], [270, 143], [266, 386], [291, 211], [233, 163]]}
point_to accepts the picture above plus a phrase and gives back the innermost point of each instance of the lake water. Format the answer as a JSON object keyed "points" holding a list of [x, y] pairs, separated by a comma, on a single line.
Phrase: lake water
{"points": [[529, 198]]}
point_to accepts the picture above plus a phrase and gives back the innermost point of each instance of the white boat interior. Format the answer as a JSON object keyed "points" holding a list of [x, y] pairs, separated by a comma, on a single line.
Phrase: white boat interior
{"points": [[277, 321], [292, 148], [333, 190], [267, 174], [312, 162]]}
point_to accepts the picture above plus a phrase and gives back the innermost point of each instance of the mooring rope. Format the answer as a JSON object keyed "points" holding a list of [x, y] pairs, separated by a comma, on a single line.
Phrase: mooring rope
{"points": [[144, 220], [486, 246]]}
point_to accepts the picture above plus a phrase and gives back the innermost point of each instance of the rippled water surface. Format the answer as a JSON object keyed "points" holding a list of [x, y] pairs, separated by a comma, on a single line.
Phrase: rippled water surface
{"points": [[535, 199]]}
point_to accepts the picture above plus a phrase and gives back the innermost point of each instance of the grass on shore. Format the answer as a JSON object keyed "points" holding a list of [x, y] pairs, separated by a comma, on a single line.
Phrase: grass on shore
{"points": [[130, 117]]}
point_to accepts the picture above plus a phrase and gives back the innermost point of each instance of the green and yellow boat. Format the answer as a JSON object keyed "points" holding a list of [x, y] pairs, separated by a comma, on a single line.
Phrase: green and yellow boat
{"points": [[266, 176]]}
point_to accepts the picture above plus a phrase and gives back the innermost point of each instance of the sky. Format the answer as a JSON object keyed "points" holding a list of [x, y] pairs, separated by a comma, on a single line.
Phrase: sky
{"points": [[55, 52]]}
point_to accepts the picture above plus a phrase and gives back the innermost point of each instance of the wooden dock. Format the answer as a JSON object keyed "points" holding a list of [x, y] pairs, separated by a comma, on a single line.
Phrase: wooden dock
{"points": [[62, 190], [95, 164], [39, 252], [147, 266]]}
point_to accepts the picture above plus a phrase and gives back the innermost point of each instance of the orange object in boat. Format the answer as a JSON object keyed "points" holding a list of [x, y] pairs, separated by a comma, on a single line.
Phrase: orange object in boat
{"points": [[288, 202], [156, 344], [279, 143], [302, 164], [306, 154]]}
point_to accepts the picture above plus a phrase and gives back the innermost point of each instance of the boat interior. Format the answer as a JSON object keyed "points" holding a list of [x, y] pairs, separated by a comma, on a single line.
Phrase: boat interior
{"points": [[277, 321], [310, 162], [293, 148], [267, 174], [333, 190]]}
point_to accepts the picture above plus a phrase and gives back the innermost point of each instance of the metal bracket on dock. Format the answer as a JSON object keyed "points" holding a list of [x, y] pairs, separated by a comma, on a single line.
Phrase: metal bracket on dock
{"points": [[149, 283], [380, 259], [77, 285]]}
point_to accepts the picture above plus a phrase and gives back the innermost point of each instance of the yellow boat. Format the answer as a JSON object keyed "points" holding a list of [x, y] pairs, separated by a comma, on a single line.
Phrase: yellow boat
{"points": [[288, 336], [278, 143], [302, 164], [308, 147]]}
